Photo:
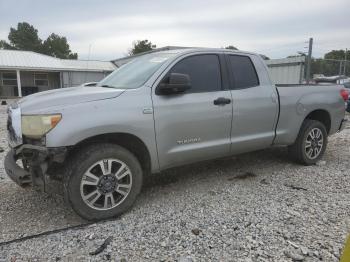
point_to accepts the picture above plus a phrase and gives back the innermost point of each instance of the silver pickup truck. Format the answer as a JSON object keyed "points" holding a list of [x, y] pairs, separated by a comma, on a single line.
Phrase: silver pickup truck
{"points": [[162, 110]]}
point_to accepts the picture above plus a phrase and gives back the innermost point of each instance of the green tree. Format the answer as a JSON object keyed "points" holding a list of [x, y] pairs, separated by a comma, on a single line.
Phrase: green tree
{"points": [[332, 66], [141, 46], [25, 37], [337, 54], [58, 46], [231, 47], [5, 45], [325, 67]]}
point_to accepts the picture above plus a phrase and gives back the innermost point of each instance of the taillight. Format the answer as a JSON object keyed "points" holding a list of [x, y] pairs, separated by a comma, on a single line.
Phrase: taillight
{"points": [[344, 94]]}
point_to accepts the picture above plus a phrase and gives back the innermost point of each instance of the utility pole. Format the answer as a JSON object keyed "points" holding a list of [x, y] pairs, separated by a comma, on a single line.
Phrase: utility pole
{"points": [[346, 52], [340, 67], [308, 65]]}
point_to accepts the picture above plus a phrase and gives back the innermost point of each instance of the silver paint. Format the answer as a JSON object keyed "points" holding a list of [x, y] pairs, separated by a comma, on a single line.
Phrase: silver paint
{"points": [[249, 123]]}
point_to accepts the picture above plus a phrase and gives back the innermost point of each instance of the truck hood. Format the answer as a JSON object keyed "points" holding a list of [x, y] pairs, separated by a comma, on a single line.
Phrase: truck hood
{"points": [[66, 96]]}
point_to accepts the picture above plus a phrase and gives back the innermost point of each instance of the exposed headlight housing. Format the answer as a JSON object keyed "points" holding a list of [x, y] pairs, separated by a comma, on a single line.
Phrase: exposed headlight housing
{"points": [[35, 126]]}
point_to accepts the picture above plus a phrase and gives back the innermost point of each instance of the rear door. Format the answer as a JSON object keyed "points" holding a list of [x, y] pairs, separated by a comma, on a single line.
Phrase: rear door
{"points": [[195, 125], [255, 104]]}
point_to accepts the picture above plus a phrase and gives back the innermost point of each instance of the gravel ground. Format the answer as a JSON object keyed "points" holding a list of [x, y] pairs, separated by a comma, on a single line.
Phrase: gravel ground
{"points": [[253, 207]]}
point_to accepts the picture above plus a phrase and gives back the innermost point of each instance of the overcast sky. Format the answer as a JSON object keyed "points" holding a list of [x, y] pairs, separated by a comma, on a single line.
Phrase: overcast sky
{"points": [[276, 28]]}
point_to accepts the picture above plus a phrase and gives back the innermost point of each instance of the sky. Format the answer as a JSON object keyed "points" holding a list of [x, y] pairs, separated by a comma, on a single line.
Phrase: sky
{"points": [[105, 30]]}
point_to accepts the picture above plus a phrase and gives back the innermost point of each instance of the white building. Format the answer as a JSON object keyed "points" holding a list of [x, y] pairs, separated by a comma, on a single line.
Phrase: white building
{"points": [[25, 72], [287, 70]]}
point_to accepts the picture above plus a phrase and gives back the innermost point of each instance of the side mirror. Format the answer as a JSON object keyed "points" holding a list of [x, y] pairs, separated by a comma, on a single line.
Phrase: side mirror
{"points": [[176, 84]]}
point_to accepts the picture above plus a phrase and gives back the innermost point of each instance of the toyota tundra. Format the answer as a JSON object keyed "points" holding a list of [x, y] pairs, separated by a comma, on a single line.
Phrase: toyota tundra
{"points": [[162, 110]]}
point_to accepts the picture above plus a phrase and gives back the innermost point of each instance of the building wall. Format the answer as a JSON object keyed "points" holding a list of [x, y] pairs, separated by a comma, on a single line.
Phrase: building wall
{"points": [[72, 78], [287, 74], [54, 81], [28, 83], [5, 90], [287, 70]]}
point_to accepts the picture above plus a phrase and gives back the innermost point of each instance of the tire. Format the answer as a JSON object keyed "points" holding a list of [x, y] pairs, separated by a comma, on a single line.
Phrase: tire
{"points": [[102, 181], [300, 150]]}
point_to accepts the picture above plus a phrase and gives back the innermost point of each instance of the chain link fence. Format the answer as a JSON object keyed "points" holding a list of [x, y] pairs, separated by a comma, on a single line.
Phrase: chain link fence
{"points": [[330, 67], [293, 70]]}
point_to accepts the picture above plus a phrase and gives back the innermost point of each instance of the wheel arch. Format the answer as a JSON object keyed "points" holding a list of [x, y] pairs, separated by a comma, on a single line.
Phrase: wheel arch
{"points": [[129, 141], [322, 116]]}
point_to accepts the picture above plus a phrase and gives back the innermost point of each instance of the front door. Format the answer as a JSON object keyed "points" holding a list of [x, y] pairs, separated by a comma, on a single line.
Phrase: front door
{"points": [[194, 125]]}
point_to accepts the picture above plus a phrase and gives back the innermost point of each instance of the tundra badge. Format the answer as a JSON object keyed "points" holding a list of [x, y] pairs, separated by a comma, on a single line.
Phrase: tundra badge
{"points": [[189, 140]]}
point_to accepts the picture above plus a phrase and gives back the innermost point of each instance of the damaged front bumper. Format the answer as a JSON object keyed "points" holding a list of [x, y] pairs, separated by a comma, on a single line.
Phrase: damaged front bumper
{"points": [[18, 174], [35, 163]]}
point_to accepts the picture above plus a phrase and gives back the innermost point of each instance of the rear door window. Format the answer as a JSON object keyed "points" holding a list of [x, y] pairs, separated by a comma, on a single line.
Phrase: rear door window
{"points": [[243, 72]]}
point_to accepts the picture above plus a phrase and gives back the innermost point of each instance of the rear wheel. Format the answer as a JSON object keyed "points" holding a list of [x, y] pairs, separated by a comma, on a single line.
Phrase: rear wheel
{"points": [[310, 144], [103, 181]]}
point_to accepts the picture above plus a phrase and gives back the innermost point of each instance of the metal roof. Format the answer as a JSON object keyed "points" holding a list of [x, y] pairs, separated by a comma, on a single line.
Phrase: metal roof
{"points": [[285, 61], [28, 60]]}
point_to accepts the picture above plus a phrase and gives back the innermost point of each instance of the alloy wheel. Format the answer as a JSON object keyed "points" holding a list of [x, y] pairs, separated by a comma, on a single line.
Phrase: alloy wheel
{"points": [[314, 143], [106, 184]]}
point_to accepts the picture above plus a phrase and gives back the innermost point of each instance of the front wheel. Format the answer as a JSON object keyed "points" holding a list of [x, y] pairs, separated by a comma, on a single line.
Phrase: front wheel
{"points": [[310, 144], [102, 181]]}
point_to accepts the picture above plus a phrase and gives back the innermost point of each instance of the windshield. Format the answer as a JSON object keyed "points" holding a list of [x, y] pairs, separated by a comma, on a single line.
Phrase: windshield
{"points": [[135, 73]]}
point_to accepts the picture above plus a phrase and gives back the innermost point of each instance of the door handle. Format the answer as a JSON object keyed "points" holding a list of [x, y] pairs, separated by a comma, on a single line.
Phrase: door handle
{"points": [[222, 101]]}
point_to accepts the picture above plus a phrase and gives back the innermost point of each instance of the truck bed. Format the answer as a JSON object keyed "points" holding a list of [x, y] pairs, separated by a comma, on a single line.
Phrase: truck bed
{"points": [[299, 100]]}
